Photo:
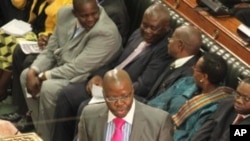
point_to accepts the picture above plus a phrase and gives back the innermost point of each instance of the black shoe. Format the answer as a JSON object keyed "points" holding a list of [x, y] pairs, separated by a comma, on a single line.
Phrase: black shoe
{"points": [[25, 124], [12, 117]]}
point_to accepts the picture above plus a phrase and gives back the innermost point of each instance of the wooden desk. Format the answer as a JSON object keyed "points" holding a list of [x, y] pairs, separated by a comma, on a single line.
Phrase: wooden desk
{"points": [[222, 29]]}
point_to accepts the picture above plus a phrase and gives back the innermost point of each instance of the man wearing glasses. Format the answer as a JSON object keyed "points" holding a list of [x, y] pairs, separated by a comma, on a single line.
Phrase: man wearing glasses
{"points": [[122, 117], [234, 110]]}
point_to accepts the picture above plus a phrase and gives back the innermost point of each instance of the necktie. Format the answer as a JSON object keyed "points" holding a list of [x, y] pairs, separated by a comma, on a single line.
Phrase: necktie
{"points": [[135, 53], [117, 136], [238, 119]]}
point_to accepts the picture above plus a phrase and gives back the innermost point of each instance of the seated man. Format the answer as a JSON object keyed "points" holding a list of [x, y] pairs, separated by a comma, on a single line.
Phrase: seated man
{"points": [[143, 69], [240, 9], [121, 117], [115, 9], [88, 40], [186, 88], [229, 112], [184, 47]]}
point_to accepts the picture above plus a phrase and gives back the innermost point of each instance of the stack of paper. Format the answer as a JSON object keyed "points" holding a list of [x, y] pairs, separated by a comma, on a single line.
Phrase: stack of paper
{"points": [[16, 27], [29, 47], [97, 95]]}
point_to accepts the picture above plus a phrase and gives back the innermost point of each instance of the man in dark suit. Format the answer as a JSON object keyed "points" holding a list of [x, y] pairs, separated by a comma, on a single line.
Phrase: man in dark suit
{"points": [[143, 69], [217, 127], [184, 46], [141, 122], [117, 11]]}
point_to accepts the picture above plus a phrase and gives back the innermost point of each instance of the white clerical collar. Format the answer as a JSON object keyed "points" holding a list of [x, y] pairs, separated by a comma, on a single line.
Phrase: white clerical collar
{"points": [[181, 61], [245, 116], [128, 118]]}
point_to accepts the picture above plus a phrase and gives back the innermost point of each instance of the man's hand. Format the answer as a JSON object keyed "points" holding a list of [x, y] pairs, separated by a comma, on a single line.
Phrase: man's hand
{"points": [[33, 83], [42, 41], [97, 80]]}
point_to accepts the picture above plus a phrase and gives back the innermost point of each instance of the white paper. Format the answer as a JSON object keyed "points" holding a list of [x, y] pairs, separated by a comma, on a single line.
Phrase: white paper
{"points": [[97, 95], [244, 29], [16, 27], [29, 47]]}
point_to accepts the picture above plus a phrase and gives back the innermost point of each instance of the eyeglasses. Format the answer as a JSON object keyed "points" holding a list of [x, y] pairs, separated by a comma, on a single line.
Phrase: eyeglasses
{"points": [[239, 95], [114, 99]]}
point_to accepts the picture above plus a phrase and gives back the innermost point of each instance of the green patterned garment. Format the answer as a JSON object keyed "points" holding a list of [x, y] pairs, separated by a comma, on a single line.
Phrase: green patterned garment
{"points": [[8, 44]]}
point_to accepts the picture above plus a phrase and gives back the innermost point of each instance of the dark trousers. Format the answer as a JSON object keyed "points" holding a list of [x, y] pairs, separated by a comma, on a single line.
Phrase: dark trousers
{"points": [[20, 62], [66, 110]]}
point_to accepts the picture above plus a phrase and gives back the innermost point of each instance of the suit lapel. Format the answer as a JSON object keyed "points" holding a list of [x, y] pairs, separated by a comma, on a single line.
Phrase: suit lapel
{"points": [[102, 123], [72, 30], [74, 42], [129, 49], [138, 123], [159, 81]]}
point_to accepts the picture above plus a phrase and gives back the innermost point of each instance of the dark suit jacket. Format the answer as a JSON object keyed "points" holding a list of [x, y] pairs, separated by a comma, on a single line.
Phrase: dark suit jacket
{"points": [[149, 124], [146, 67], [217, 128], [170, 77], [117, 11]]}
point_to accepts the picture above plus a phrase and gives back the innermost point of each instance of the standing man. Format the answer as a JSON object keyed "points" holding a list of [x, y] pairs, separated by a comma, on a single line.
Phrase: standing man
{"points": [[85, 38], [233, 110], [122, 117]]}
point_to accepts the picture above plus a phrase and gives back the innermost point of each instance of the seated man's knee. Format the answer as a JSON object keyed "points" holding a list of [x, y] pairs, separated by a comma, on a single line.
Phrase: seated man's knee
{"points": [[29, 60]]}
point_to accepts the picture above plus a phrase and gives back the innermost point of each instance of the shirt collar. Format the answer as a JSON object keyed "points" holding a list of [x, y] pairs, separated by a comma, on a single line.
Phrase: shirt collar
{"points": [[78, 25], [100, 1], [181, 61], [128, 118], [245, 116]]}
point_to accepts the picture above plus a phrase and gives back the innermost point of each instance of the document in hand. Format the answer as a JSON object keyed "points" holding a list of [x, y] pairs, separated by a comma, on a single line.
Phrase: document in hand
{"points": [[97, 95], [29, 47], [16, 27]]}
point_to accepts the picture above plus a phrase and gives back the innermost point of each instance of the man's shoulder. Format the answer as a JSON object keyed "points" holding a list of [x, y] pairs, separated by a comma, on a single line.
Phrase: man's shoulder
{"points": [[94, 108], [66, 9], [65, 12]]}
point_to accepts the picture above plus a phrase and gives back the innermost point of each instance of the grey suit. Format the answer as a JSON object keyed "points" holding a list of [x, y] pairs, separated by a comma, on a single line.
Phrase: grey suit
{"points": [[70, 59], [149, 124]]}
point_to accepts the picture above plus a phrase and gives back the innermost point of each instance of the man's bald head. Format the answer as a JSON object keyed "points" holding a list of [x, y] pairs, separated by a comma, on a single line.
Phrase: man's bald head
{"points": [[118, 92], [191, 37], [159, 11], [115, 77]]}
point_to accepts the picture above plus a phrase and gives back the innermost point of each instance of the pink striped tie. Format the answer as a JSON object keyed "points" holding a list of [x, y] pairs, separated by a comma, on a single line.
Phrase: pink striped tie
{"points": [[117, 136], [135, 53]]}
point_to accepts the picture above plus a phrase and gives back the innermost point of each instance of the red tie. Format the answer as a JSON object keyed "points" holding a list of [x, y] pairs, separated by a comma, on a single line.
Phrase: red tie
{"points": [[238, 119], [117, 136]]}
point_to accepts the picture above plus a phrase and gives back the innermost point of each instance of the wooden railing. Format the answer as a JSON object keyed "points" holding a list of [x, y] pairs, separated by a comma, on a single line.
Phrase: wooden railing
{"points": [[222, 29]]}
